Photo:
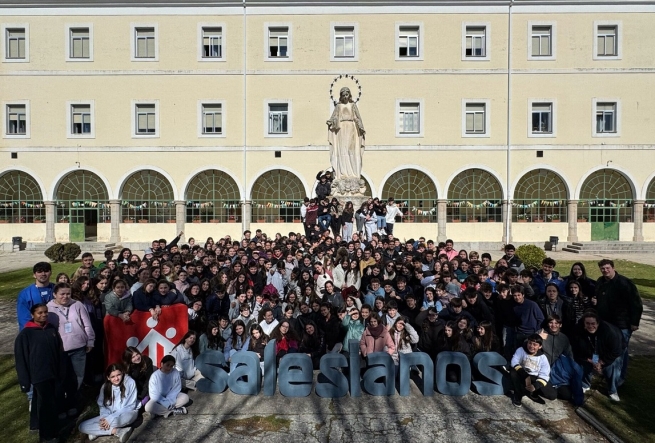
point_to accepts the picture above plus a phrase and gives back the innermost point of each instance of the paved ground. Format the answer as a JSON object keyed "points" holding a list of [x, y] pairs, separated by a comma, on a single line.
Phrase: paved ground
{"points": [[219, 417]]}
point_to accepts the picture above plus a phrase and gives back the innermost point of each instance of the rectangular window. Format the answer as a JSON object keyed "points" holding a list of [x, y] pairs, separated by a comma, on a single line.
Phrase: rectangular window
{"points": [[212, 119], [476, 41], [145, 119], [16, 120], [278, 42], [212, 42], [80, 43], [409, 118], [542, 118], [408, 40], [605, 118], [607, 41], [145, 42], [278, 115], [475, 118], [344, 41], [15, 39], [542, 41], [80, 119]]}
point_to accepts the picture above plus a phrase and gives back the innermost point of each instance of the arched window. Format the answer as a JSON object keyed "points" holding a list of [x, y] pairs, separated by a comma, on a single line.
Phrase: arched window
{"points": [[649, 204], [147, 196], [276, 197], [415, 194], [21, 200], [474, 195], [212, 196], [606, 196], [540, 195], [81, 195]]}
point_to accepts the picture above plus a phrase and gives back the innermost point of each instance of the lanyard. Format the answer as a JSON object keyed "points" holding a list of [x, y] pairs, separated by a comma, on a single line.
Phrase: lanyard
{"points": [[64, 314], [593, 345]]}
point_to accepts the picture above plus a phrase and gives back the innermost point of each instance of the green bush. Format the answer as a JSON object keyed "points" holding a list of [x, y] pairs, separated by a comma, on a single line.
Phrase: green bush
{"points": [[60, 253], [54, 252], [71, 252], [531, 255]]}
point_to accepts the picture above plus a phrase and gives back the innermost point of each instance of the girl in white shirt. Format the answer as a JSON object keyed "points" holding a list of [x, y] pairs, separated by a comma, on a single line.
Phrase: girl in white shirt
{"points": [[118, 406], [165, 389], [184, 362]]}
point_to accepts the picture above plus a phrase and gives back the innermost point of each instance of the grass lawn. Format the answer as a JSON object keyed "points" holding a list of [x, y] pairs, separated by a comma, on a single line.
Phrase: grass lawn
{"points": [[11, 283], [642, 275], [14, 419], [633, 419]]}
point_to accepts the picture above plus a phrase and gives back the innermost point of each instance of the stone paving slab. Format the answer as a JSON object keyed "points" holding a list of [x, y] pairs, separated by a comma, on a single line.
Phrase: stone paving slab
{"points": [[472, 418]]}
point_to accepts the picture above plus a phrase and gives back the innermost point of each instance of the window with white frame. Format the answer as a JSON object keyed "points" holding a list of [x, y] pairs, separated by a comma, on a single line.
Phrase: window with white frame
{"points": [[607, 41], [278, 42], [476, 118], [344, 41], [408, 41], [80, 43], [145, 119], [278, 118], [542, 118], [16, 44], [145, 43], [606, 118], [16, 119], [212, 118], [409, 118], [542, 41], [476, 41], [212, 42], [81, 120]]}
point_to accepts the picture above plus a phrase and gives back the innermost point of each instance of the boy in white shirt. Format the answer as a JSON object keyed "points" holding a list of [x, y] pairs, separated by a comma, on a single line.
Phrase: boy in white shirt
{"points": [[531, 372]]}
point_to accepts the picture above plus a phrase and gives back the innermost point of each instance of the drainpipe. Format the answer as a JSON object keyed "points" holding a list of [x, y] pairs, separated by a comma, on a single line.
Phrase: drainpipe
{"points": [[245, 208], [508, 198]]}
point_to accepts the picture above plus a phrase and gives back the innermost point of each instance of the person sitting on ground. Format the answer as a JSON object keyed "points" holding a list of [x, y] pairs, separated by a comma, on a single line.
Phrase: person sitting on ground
{"points": [[530, 372], [118, 406], [184, 361], [139, 367], [165, 388]]}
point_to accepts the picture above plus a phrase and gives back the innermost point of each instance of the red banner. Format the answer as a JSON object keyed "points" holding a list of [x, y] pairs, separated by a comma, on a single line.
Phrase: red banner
{"points": [[153, 338]]}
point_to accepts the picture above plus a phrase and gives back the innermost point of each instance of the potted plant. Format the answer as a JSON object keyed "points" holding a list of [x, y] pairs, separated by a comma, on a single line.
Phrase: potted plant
{"points": [[231, 219], [261, 220], [279, 220], [128, 220], [171, 220], [64, 219], [522, 218], [296, 220], [214, 220], [197, 219], [38, 219], [472, 220], [554, 218], [582, 218], [144, 220], [4, 221], [456, 220]]}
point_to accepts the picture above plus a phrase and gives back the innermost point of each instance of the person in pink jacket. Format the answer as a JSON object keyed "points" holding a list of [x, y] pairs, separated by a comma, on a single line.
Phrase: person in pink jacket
{"points": [[376, 338], [71, 319]]}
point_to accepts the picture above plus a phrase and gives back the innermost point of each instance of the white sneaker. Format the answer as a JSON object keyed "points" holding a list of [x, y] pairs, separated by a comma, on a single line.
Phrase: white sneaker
{"points": [[586, 390], [124, 434], [92, 437], [615, 397]]}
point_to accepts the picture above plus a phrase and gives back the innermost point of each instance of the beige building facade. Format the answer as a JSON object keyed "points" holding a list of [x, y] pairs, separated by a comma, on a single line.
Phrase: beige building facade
{"points": [[487, 121]]}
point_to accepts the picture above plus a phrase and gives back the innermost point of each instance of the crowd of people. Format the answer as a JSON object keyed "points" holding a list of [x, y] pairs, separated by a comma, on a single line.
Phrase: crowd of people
{"points": [[313, 294]]}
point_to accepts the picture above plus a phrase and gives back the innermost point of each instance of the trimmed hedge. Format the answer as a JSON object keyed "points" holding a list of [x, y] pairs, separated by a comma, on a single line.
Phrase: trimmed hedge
{"points": [[63, 252]]}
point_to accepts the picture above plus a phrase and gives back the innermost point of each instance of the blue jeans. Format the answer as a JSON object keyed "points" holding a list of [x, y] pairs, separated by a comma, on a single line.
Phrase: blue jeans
{"points": [[324, 222], [382, 222], [78, 360], [612, 374], [627, 333]]}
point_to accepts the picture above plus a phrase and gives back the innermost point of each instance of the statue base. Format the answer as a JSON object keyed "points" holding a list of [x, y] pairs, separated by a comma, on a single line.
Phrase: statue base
{"points": [[351, 189]]}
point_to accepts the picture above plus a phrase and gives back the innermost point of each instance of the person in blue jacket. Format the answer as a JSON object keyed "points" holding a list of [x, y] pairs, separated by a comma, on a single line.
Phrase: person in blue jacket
{"points": [[39, 292], [547, 275]]}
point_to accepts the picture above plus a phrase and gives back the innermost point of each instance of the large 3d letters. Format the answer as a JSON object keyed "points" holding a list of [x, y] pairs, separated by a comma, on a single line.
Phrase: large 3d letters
{"points": [[210, 364], [449, 388], [484, 362], [419, 359], [337, 383], [296, 375], [246, 365], [380, 365], [270, 369]]}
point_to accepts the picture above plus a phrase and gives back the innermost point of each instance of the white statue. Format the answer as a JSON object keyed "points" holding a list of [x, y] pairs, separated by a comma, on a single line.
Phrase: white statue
{"points": [[346, 137]]}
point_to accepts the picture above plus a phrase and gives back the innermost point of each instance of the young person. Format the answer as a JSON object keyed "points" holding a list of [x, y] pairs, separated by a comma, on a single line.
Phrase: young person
{"points": [[37, 351], [184, 361], [37, 293], [118, 406], [165, 389], [139, 367], [530, 371]]}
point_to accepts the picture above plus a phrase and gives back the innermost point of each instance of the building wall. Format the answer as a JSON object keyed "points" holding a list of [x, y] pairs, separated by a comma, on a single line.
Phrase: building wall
{"points": [[440, 79]]}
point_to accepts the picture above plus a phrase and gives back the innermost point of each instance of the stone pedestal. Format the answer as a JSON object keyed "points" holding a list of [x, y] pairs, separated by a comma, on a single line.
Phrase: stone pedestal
{"points": [[50, 214], [638, 218], [349, 189], [115, 234], [246, 215], [572, 217]]}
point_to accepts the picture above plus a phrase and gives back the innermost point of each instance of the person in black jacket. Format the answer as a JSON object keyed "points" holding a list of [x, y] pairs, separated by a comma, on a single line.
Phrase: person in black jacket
{"points": [[38, 350], [140, 368], [323, 188], [598, 347], [432, 329]]}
